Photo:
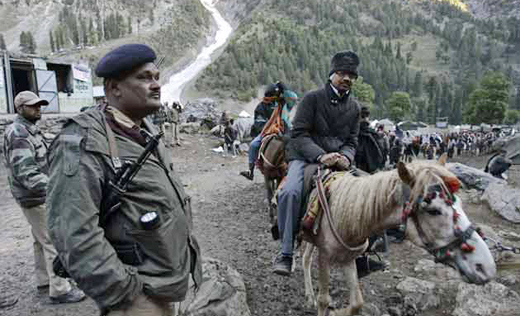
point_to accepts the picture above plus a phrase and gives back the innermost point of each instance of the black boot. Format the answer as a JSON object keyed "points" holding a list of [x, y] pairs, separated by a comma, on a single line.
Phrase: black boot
{"points": [[249, 174]]}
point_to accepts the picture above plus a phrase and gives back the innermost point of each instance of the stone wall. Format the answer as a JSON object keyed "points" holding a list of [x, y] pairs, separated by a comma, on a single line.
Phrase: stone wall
{"points": [[50, 123]]}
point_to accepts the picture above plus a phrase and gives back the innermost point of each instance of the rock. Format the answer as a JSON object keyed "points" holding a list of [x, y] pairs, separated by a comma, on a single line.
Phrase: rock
{"points": [[508, 280], [511, 144], [473, 196], [419, 294], [189, 128], [424, 265], [489, 232], [371, 310], [445, 273], [222, 293], [504, 200], [410, 306], [437, 272], [201, 110], [509, 235], [488, 300], [394, 311], [216, 131], [473, 178]]}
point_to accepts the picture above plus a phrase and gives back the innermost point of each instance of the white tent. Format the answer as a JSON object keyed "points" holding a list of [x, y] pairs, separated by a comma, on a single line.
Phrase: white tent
{"points": [[244, 114]]}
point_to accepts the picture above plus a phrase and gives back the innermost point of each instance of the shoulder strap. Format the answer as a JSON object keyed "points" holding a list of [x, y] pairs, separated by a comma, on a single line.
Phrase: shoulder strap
{"points": [[112, 146]]}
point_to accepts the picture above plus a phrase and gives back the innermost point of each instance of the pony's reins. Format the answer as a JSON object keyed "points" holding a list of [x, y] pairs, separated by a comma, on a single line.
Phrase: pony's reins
{"points": [[322, 198]]}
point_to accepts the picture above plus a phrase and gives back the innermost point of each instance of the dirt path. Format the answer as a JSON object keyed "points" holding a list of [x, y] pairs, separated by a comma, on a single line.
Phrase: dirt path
{"points": [[231, 224]]}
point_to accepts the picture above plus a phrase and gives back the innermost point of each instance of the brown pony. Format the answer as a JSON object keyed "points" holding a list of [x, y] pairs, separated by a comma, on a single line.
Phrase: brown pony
{"points": [[271, 162]]}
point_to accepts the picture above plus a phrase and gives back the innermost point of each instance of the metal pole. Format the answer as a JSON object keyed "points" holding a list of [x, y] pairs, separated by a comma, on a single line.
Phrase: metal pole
{"points": [[8, 83]]}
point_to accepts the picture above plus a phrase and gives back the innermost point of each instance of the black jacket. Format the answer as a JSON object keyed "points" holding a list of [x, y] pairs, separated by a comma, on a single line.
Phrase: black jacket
{"points": [[369, 155], [263, 112], [324, 124]]}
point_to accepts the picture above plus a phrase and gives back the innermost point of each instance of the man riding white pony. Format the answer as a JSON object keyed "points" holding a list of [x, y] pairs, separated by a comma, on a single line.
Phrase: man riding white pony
{"points": [[325, 130]]}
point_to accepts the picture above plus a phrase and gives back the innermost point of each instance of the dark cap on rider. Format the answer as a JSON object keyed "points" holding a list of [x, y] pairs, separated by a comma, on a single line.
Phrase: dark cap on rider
{"points": [[275, 89], [344, 61], [123, 59]]}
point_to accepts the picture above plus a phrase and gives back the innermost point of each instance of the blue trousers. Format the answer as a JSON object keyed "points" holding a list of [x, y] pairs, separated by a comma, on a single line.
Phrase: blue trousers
{"points": [[290, 200], [254, 147]]}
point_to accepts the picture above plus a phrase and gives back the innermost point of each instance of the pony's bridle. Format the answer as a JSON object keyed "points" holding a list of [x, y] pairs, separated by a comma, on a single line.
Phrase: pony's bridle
{"points": [[441, 254]]}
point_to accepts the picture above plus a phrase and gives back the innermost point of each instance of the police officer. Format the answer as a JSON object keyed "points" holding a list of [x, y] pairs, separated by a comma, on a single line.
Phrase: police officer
{"points": [[138, 260], [25, 150], [173, 119]]}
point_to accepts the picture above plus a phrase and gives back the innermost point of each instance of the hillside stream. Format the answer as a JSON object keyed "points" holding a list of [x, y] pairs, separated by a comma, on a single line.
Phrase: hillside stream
{"points": [[172, 91]]}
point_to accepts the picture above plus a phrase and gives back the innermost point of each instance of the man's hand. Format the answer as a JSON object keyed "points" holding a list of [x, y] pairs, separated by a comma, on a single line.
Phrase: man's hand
{"points": [[343, 163], [330, 159]]}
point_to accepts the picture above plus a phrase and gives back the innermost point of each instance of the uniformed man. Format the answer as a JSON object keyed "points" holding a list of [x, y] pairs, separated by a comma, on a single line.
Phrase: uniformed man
{"points": [[173, 119], [139, 259], [24, 151]]}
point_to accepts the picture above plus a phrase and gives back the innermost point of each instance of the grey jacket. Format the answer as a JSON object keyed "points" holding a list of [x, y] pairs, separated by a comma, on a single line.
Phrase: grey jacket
{"points": [[115, 263]]}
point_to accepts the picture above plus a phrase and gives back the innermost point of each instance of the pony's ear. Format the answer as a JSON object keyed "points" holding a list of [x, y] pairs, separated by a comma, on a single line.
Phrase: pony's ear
{"points": [[443, 159], [405, 174]]}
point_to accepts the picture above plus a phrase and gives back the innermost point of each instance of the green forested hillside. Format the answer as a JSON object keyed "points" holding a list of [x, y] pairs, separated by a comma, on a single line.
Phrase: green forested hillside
{"points": [[430, 49]]}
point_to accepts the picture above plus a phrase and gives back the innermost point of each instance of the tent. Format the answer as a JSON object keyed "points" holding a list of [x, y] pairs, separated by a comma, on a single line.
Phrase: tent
{"points": [[244, 114], [409, 125], [387, 124]]}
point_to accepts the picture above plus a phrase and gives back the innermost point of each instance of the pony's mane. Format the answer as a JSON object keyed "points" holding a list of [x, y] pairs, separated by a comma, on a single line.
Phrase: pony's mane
{"points": [[358, 203]]}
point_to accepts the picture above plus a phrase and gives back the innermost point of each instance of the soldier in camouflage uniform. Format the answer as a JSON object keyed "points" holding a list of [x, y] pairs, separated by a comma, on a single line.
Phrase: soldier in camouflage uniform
{"points": [[24, 151], [128, 268]]}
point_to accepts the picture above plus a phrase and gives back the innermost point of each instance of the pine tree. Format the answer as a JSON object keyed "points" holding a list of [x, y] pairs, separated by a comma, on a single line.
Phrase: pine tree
{"points": [[398, 55], [409, 58], [51, 38], [418, 84], [31, 43], [516, 105], [2, 42], [151, 17], [129, 25], [23, 42], [84, 39]]}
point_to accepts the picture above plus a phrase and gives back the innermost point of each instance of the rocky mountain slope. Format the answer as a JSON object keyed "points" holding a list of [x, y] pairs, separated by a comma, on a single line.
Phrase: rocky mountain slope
{"points": [[494, 8]]}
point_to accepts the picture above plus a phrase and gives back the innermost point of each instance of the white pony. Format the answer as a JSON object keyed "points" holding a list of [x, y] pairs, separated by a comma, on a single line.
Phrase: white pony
{"points": [[420, 195]]}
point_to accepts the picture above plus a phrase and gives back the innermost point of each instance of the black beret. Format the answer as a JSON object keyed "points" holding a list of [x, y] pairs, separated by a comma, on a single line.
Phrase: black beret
{"points": [[124, 58], [344, 61]]}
